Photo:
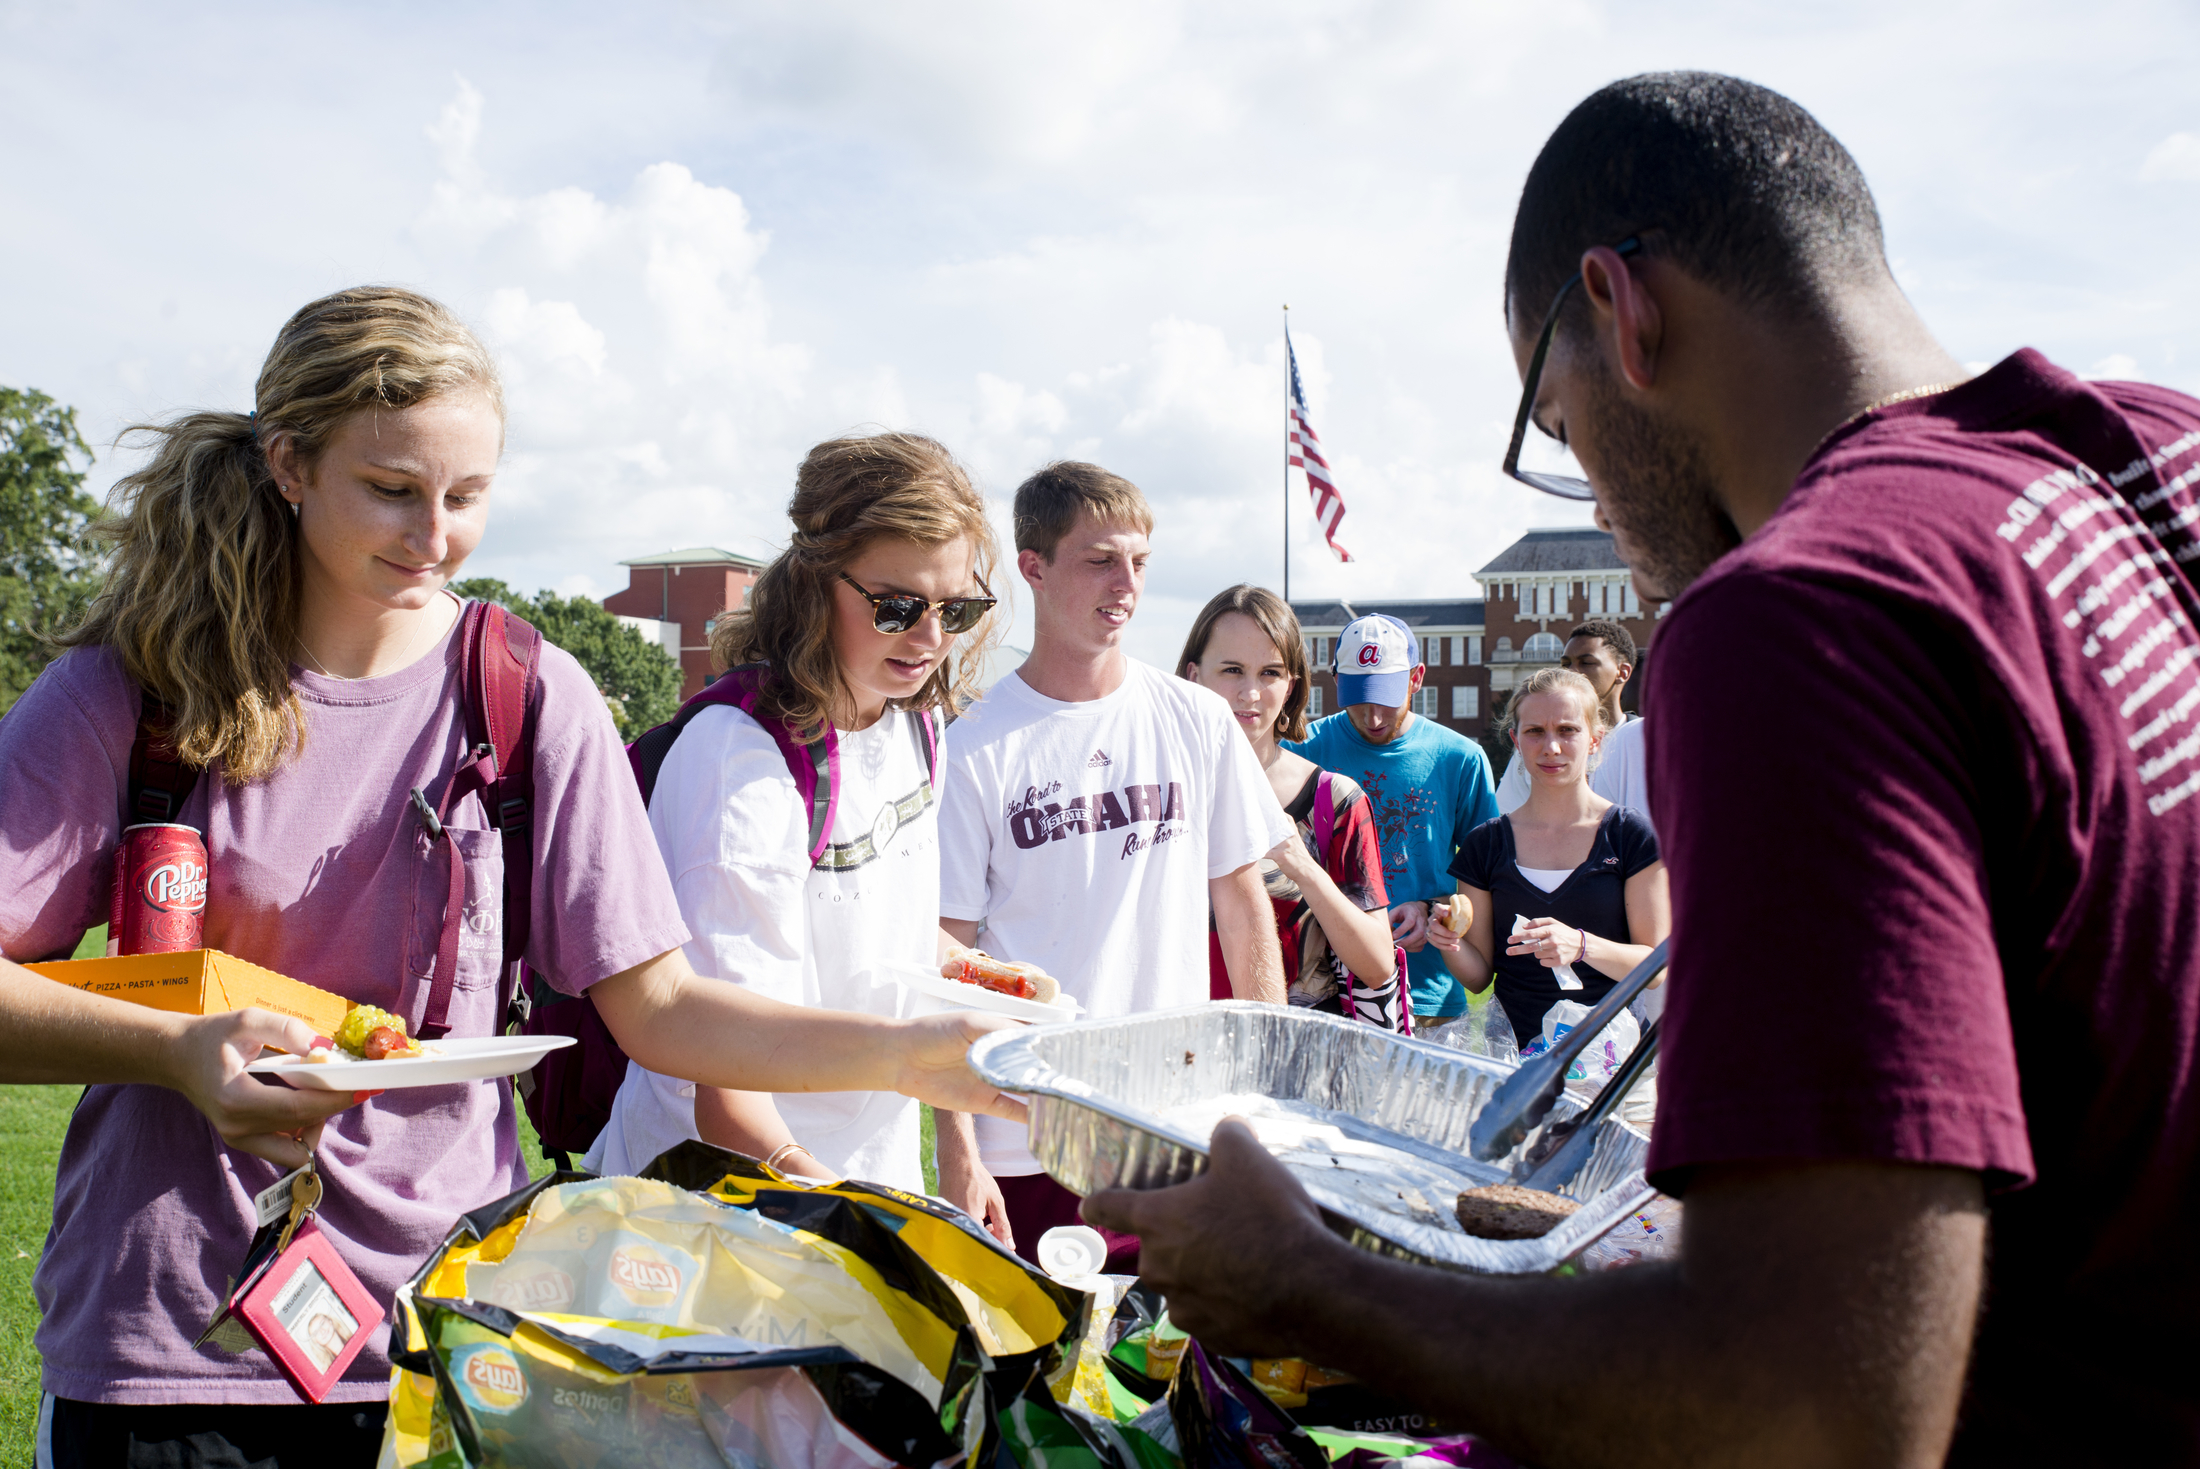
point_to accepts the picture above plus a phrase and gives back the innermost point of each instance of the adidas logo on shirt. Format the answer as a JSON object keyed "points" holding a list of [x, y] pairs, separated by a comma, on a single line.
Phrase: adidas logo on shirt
{"points": [[1099, 757]]}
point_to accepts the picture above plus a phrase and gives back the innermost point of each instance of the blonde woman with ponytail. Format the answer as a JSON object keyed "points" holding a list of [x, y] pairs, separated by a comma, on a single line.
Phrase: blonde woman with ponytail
{"points": [[276, 602], [1569, 890]]}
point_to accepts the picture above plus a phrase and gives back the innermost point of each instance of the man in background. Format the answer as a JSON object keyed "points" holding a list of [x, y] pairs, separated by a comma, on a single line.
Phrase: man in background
{"points": [[1095, 808], [1428, 786], [1603, 652]]}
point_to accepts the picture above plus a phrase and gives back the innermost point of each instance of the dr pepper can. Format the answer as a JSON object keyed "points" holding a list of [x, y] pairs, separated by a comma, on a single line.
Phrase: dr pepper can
{"points": [[160, 891]]}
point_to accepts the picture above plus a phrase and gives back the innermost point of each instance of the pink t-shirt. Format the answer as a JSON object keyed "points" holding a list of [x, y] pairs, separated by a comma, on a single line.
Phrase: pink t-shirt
{"points": [[322, 873], [1941, 902]]}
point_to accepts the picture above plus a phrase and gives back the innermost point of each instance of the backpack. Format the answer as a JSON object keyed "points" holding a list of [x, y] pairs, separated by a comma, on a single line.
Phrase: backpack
{"points": [[569, 1094], [498, 658]]}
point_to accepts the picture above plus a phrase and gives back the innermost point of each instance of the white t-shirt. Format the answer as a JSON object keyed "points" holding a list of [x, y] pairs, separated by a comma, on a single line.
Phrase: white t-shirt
{"points": [[1083, 836], [735, 836], [1618, 777]]}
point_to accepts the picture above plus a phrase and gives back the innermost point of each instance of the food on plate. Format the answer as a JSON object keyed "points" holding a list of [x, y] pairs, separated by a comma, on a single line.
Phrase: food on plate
{"points": [[1455, 913], [1508, 1211], [375, 1035], [1024, 981]]}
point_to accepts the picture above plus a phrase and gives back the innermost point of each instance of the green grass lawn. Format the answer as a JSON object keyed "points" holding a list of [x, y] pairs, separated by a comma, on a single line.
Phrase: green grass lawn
{"points": [[33, 1120]]}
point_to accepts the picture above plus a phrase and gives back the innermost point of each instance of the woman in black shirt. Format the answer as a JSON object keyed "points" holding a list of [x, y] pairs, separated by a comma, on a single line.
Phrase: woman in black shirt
{"points": [[1572, 881]]}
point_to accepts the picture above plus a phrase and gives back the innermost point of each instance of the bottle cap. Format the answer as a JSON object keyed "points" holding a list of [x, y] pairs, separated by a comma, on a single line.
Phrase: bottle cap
{"points": [[1072, 1252]]}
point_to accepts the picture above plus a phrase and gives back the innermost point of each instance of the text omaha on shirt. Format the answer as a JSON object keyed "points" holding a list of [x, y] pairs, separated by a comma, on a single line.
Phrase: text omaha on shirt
{"points": [[1035, 818]]}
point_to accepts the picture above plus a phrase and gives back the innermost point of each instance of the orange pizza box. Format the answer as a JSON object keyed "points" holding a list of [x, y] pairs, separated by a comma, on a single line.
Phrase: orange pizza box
{"points": [[200, 982]]}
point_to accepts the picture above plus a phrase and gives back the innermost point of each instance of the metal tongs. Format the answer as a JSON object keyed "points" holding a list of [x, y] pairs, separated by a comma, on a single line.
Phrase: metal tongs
{"points": [[1554, 1158], [1513, 1111]]}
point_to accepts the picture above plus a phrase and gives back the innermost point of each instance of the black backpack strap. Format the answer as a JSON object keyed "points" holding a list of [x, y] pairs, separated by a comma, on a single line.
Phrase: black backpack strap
{"points": [[159, 781], [647, 752], [821, 795]]}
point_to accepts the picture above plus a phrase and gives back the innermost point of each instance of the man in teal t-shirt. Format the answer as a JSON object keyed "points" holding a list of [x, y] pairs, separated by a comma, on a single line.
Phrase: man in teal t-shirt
{"points": [[1428, 786]]}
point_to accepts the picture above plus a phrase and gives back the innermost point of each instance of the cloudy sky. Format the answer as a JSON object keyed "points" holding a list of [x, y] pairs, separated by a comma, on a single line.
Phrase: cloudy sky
{"points": [[702, 236]]}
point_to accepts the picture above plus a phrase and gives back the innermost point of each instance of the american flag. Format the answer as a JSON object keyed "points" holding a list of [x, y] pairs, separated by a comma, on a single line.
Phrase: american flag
{"points": [[1306, 454]]}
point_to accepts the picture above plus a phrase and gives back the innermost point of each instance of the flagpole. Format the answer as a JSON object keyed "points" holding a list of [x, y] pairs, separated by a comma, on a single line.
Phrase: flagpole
{"points": [[1287, 454]]}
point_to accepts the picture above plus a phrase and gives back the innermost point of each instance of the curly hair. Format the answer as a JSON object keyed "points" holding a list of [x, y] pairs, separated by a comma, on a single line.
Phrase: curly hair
{"points": [[848, 493]]}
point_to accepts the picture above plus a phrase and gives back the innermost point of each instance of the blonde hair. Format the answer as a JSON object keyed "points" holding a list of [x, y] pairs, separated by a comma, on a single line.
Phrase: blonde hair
{"points": [[201, 600], [848, 493], [1048, 502], [1273, 616], [1555, 681]]}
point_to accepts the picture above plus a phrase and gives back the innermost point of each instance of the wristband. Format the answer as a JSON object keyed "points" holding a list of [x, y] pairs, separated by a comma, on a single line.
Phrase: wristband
{"points": [[782, 1151], [1584, 954]]}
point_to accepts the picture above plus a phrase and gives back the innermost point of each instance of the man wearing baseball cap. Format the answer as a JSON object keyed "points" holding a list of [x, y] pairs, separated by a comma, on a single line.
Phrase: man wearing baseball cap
{"points": [[1429, 786]]}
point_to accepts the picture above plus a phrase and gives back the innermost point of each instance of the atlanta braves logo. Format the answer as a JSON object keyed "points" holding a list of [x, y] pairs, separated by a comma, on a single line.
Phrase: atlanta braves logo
{"points": [[1370, 655]]}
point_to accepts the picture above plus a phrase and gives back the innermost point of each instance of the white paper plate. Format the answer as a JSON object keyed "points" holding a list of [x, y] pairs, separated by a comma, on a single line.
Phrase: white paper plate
{"points": [[452, 1060], [977, 997]]}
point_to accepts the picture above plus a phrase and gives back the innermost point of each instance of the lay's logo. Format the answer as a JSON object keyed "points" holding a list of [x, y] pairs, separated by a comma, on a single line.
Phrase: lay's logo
{"points": [[538, 1290], [491, 1381], [643, 1276]]}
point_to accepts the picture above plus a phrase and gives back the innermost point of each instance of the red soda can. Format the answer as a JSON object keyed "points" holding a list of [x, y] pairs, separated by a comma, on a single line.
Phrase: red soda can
{"points": [[160, 891]]}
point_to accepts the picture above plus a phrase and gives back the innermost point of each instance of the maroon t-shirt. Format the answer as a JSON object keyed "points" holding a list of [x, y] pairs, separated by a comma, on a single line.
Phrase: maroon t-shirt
{"points": [[1926, 767]]}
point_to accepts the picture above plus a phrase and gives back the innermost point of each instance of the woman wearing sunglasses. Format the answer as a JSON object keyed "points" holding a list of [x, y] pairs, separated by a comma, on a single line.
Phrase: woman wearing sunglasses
{"points": [[853, 629]]}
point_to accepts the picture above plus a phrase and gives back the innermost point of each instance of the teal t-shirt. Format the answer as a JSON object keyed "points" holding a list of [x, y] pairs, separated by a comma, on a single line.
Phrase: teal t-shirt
{"points": [[1428, 788]]}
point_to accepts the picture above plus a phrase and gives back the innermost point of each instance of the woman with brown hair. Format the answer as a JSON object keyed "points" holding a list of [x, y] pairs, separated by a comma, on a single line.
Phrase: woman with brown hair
{"points": [[849, 642], [1326, 879], [276, 605]]}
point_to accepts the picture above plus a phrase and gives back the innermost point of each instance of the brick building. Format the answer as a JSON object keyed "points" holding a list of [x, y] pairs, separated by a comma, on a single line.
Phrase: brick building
{"points": [[1538, 588], [1545, 584], [683, 592]]}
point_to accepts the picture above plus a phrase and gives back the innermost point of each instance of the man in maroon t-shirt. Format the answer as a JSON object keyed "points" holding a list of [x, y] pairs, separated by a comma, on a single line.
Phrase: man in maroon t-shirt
{"points": [[1929, 1084]]}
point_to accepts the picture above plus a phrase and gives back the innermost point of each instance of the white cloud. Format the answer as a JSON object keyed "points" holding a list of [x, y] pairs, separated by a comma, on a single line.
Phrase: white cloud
{"points": [[2176, 157], [649, 396], [702, 238]]}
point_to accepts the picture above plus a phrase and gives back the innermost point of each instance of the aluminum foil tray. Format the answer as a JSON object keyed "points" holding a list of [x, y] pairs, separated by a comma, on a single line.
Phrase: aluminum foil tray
{"points": [[1372, 1124]]}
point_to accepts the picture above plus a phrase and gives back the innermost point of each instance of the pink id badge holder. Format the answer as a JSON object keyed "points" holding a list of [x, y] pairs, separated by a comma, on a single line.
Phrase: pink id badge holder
{"points": [[295, 1296]]}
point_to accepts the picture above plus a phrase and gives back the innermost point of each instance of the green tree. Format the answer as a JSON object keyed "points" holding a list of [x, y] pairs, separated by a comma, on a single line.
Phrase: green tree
{"points": [[489, 589], [637, 678], [49, 563]]}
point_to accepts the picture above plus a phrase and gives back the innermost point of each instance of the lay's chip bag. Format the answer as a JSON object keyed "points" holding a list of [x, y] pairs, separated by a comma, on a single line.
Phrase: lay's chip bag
{"points": [[714, 1313]]}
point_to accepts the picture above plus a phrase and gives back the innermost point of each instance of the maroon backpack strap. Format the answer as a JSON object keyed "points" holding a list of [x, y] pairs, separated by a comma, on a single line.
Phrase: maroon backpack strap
{"points": [[159, 781], [496, 678], [505, 696]]}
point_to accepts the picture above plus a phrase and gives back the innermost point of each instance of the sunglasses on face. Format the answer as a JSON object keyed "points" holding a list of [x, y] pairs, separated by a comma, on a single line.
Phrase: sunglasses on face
{"points": [[898, 612], [1565, 486]]}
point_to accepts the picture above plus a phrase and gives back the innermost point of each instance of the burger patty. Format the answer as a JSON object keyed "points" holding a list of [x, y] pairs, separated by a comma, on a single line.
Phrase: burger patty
{"points": [[1508, 1211]]}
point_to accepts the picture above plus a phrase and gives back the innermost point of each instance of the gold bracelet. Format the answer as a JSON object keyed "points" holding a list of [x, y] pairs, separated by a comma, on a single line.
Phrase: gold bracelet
{"points": [[782, 1151]]}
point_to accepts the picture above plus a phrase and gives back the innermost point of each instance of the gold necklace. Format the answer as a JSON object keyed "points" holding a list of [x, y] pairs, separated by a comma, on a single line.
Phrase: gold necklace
{"points": [[405, 658], [1887, 402]]}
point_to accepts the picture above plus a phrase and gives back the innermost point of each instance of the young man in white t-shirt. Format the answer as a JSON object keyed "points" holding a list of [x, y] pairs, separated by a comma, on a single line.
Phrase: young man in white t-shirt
{"points": [[1096, 811]]}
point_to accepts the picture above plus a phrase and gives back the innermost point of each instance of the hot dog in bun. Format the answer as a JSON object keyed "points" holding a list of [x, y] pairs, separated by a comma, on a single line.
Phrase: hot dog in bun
{"points": [[1024, 981]]}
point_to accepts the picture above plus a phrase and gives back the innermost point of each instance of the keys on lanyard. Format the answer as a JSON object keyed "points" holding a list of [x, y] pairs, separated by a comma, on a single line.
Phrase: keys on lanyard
{"points": [[305, 1194], [296, 1299]]}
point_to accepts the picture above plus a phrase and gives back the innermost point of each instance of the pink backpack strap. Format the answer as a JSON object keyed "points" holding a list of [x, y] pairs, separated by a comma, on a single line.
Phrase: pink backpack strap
{"points": [[815, 766]]}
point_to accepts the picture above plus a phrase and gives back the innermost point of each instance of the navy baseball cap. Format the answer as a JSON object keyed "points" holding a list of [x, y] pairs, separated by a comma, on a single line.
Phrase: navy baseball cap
{"points": [[1376, 657]]}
